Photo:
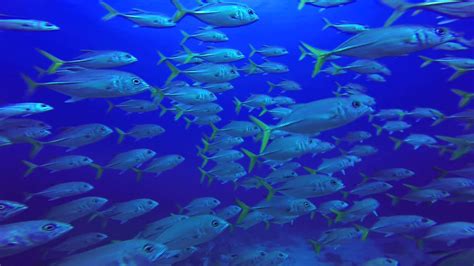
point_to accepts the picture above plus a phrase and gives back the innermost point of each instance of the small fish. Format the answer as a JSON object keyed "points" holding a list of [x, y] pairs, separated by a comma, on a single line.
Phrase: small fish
{"points": [[461, 65], [416, 140], [215, 55], [206, 34], [347, 28], [62, 163], [228, 212], [353, 137], [361, 150], [324, 3], [200, 206], [130, 159], [370, 188], [125, 211], [401, 224], [254, 218], [268, 67], [10, 209], [419, 195], [142, 131], [140, 17], [23, 109], [424, 112], [154, 229], [358, 211], [76, 209], [392, 126], [335, 237], [206, 72], [336, 164], [390, 174], [268, 51], [26, 25], [22, 236], [161, 164], [62, 190], [375, 78], [284, 85], [76, 243], [450, 232]]}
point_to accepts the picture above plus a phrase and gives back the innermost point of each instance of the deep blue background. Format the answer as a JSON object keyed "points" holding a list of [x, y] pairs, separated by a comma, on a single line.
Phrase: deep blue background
{"points": [[280, 24]]}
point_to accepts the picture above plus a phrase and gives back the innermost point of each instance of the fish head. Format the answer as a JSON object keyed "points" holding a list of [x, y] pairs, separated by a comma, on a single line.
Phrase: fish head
{"points": [[148, 154], [244, 14], [125, 58], [149, 250], [425, 222], [41, 107], [164, 22], [100, 236], [212, 203], [102, 130], [9, 208], [84, 160], [45, 26], [236, 54], [37, 133], [438, 35], [214, 225], [334, 184], [303, 206], [406, 172], [96, 202], [42, 231], [232, 73], [341, 204], [149, 204], [133, 84], [234, 209]]}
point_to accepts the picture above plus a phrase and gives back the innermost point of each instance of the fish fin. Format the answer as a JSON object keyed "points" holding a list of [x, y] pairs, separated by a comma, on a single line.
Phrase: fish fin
{"points": [[32, 85], [321, 57], [264, 111], [397, 143], [271, 86], [315, 244], [57, 63], [438, 120], [365, 231], [214, 131], [204, 173], [112, 12], [310, 170], [139, 173], [253, 159], [301, 4], [174, 72], [163, 58], [189, 54], [31, 167], [266, 132], [110, 107], [245, 210], [304, 53], [458, 73], [378, 128], [205, 159], [121, 133], [337, 140], [181, 11], [328, 23], [441, 171], [238, 105], [268, 187], [339, 215], [345, 194], [253, 50], [100, 170], [466, 97], [186, 36], [365, 178], [395, 199], [426, 61]]}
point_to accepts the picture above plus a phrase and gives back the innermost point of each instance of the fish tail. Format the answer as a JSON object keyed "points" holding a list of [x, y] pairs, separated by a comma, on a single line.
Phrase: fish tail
{"points": [[310, 170], [337, 140], [37, 147], [337, 68], [316, 246], [264, 111], [441, 171], [378, 128], [112, 12], [57, 63], [328, 23], [365, 178], [345, 194], [189, 54], [163, 58], [238, 105], [244, 212], [32, 85], [204, 173], [139, 173], [304, 53], [179, 113], [206, 145], [28, 196], [180, 12], [364, 230], [266, 132], [163, 111], [31, 167], [253, 66], [342, 151], [339, 215], [121, 135], [110, 106], [459, 72], [439, 120], [301, 4], [214, 131], [321, 57], [268, 187], [459, 152], [397, 143], [399, 10], [426, 61], [271, 86], [186, 37], [100, 170], [188, 122], [253, 159], [252, 50], [395, 199], [41, 72], [328, 219], [205, 159], [174, 72], [466, 97], [93, 216]]}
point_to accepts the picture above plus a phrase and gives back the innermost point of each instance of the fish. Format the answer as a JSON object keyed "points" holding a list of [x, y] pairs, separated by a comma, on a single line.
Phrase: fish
{"points": [[254, 101], [466, 97], [237, 128], [17, 24], [125, 211], [383, 42], [95, 59], [215, 55], [336, 164], [461, 65], [388, 114], [346, 27], [228, 212], [140, 17], [19, 237], [401, 224], [76, 243], [23, 109], [419, 195], [200, 206], [361, 150], [130, 159], [381, 261], [254, 218], [268, 51], [205, 34], [218, 14], [154, 229], [450, 232], [365, 66], [392, 126], [62, 163], [389, 174], [335, 237], [370, 188], [62, 190], [353, 137], [324, 3], [358, 211], [425, 112], [284, 85], [375, 78], [206, 72], [416, 140], [161, 164], [140, 132], [76, 209], [92, 83], [129, 251], [134, 106], [10, 209], [267, 67], [222, 156]]}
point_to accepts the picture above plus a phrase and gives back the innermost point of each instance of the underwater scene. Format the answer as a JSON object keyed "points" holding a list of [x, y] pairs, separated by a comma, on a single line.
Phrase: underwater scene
{"points": [[237, 132]]}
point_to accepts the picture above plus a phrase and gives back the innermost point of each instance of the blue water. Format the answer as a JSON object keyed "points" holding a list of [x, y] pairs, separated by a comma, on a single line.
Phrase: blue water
{"points": [[280, 24]]}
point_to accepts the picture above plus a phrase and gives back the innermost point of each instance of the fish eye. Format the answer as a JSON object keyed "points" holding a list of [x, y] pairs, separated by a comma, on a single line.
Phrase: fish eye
{"points": [[215, 223], [333, 182], [98, 236], [49, 227], [128, 56], [27, 109], [49, 25], [136, 81], [424, 220], [2, 207], [356, 104], [388, 260], [232, 71], [150, 202], [148, 248], [440, 31], [306, 204], [43, 105], [250, 11], [262, 253], [149, 152]]}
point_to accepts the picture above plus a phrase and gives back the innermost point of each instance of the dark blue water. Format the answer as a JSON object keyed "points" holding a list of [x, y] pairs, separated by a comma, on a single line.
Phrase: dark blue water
{"points": [[280, 24]]}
